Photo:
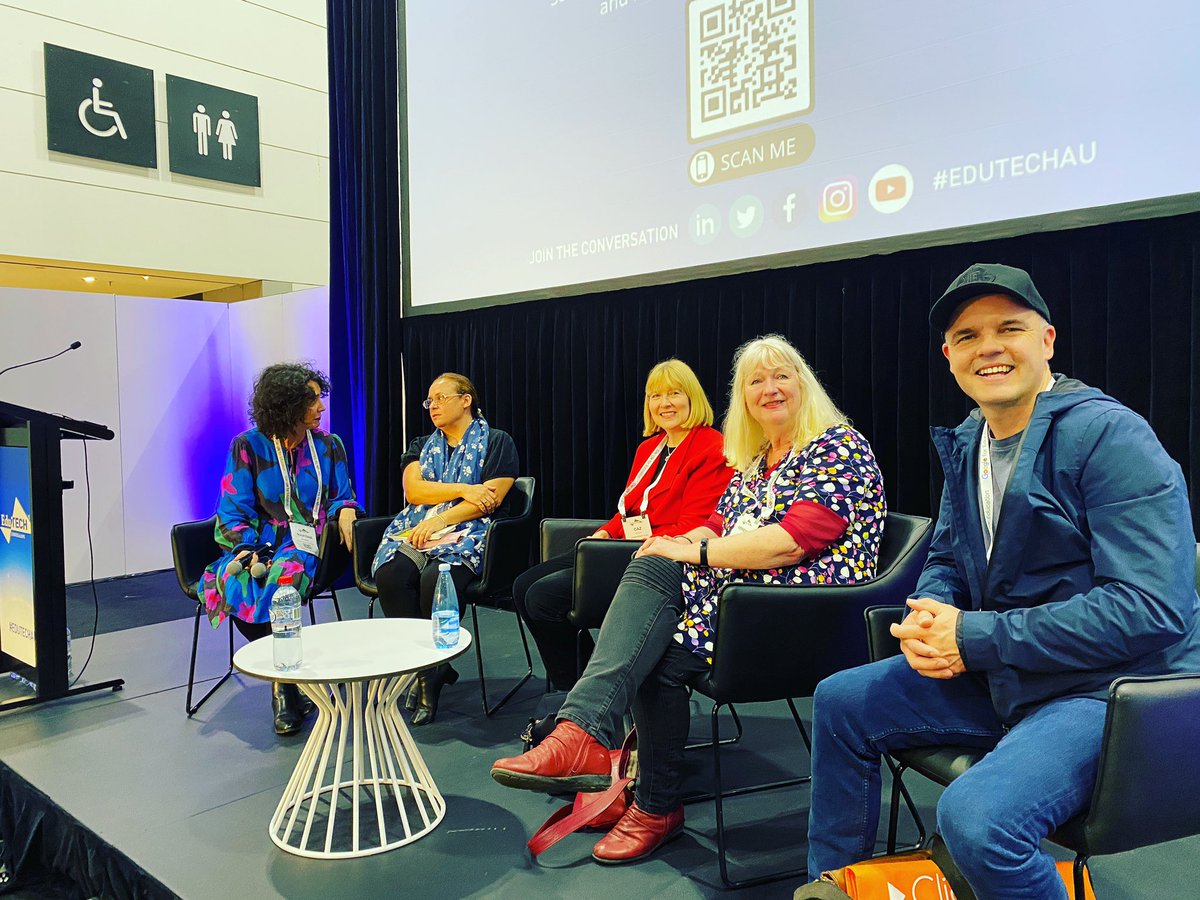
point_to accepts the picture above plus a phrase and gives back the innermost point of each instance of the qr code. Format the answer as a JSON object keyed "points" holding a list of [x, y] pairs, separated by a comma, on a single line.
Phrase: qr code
{"points": [[749, 62]]}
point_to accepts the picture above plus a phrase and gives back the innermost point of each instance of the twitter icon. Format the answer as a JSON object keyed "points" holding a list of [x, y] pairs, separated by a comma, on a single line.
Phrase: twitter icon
{"points": [[746, 216]]}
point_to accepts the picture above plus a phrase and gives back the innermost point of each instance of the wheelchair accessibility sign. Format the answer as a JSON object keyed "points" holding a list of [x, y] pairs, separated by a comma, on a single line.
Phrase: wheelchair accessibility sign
{"points": [[99, 108]]}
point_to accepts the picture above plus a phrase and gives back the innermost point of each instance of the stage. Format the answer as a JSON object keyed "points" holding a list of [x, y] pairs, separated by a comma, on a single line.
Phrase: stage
{"points": [[132, 798]]}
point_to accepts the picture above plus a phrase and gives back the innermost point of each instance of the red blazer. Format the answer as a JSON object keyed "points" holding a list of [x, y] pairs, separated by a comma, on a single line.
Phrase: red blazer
{"points": [[695, 476]]}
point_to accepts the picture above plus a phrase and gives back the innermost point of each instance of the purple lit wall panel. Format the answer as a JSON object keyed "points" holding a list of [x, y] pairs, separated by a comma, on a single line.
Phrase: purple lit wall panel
{"points": [[82, 384], [177, 416]]}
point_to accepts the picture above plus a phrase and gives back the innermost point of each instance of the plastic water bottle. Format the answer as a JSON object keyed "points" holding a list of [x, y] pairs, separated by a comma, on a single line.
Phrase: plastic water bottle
{"points": [[445, 610], [285, 626], [70, 662]]}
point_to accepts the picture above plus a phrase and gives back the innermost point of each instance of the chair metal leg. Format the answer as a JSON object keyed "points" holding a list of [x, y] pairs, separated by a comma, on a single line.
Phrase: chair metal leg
{"points": [[721, 793], [337, 609], [1080, 870], [371, 608], [191, 710], [312, 610], [704, 745], [488, 711], [898, 790]]}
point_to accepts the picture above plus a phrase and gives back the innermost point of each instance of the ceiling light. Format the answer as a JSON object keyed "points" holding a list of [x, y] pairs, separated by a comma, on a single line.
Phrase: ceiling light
{"points": [[89, 278]]}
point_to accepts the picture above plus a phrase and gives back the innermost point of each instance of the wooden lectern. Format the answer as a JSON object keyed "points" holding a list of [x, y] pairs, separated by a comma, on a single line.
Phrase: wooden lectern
{"points": [[35, 436]]}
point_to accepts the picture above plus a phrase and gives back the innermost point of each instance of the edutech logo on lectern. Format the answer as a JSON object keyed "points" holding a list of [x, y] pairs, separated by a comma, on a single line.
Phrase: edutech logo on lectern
{"points": [[17, 524]]}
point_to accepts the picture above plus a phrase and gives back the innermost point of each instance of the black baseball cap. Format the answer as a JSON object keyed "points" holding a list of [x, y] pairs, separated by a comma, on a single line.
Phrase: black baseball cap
{"points": [[981, 279]]}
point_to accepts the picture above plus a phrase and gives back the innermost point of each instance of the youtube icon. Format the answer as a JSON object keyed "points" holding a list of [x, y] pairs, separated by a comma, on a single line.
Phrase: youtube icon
{"points": [[890, 188]]}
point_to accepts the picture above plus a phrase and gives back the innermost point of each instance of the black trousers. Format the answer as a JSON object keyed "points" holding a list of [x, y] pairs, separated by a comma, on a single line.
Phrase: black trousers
{"points": [[251, 631], [406, 591], [542, 596]]}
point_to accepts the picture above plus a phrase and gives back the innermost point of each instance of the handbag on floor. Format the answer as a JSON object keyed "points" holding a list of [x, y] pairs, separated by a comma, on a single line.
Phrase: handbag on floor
{"points": [[916, 875], [599, 810]]}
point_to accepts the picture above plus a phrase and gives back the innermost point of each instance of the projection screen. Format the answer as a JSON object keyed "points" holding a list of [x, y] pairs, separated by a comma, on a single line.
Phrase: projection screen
{"points": [[558, 147]]}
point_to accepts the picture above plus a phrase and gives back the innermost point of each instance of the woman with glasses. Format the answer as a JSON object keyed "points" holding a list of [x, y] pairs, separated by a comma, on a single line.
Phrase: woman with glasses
{"points": [[678, 473], [455, 481], [285, 483], [806, 506]]}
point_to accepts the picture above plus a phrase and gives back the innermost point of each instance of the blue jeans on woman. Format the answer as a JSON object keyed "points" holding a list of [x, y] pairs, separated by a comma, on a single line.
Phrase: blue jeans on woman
{"points": [[1039, 774]]}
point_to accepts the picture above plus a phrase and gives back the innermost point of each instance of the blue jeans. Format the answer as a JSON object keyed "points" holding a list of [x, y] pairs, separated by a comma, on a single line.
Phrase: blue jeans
{"points": [[993, 818]]}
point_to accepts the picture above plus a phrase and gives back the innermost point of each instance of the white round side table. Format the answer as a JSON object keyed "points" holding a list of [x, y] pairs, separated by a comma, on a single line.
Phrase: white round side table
{"points": [[356, 671]]}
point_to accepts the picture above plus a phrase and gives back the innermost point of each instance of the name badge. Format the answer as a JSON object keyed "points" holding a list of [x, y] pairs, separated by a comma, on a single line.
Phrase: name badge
{"points": [[745, 522], [305, 538], [637, 528]]}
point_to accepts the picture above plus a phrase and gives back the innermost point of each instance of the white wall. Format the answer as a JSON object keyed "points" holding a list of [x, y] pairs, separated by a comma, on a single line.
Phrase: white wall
{"points": [[172, 379], [65, 207]]}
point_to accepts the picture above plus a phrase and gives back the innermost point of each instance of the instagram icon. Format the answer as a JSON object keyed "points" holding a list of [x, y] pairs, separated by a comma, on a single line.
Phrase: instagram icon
{"points": [[838, 200]]}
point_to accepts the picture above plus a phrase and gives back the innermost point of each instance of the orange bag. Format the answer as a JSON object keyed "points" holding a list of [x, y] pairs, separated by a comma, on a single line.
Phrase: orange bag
{"points": [[915, 876]]}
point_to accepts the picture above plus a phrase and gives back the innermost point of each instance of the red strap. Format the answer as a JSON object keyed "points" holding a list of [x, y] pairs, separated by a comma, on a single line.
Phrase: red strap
{"points": [[586, 807], [572, 817]]}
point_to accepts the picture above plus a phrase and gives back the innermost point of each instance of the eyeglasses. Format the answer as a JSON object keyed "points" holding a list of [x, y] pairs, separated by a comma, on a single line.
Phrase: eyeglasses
{"points": [[673, 396], [439, 400]]}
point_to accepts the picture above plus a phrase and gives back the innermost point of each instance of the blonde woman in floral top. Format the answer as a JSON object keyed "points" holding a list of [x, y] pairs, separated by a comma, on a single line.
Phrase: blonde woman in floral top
{"points": [[806, 506]]}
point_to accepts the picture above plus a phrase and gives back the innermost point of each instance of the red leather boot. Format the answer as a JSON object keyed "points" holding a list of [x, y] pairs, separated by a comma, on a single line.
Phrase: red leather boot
{"points": [[569, 759], [637, 835]]}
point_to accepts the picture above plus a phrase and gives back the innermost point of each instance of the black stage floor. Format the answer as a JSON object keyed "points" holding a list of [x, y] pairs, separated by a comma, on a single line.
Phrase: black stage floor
{"points": [[185, 802]]}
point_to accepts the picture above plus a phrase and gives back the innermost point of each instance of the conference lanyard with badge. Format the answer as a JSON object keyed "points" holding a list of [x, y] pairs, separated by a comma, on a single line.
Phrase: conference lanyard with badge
{"points": [[986, 501], [304, 536], [638, 527], [748, 521]]}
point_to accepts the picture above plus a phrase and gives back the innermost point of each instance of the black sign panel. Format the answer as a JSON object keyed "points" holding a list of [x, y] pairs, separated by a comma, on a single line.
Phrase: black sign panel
{"points": [[99, 108], [212, 132]]}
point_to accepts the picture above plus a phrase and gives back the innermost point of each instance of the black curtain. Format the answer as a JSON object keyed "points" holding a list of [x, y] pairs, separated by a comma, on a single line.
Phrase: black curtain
{"points": [[364, 257], [565, 377]]}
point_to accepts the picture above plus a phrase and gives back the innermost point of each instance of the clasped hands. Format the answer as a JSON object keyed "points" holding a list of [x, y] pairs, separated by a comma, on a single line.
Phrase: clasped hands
{"points": [[928, 638]]}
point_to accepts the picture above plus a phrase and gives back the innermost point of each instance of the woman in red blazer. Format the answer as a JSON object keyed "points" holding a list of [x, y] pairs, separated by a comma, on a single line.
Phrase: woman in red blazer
{"points": [[678, 474]]}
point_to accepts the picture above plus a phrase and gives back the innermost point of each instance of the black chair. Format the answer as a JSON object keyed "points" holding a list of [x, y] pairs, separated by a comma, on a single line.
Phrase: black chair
{"points": [[1147, 787], [505, 556], [193, 548], [755, 660]]}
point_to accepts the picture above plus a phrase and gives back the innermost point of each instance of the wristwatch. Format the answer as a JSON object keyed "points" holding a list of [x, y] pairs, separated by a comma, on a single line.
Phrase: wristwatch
{"points": [[704, 551]]}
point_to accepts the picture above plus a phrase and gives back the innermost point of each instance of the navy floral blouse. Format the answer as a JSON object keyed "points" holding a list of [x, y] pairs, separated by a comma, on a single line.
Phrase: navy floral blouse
{"points": [[837, 470]]}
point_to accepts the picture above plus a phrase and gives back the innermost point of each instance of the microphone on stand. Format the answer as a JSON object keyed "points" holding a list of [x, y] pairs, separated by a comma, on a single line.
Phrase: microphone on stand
{"points": [[75, 345]]}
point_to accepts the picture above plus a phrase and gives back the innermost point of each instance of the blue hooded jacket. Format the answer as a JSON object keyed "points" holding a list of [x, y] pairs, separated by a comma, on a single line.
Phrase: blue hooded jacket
{"points": [[1092, 573]]}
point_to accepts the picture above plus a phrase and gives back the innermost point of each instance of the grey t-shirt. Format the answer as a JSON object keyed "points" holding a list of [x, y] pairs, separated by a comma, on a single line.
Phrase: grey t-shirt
{"points": [[1004, 455]]}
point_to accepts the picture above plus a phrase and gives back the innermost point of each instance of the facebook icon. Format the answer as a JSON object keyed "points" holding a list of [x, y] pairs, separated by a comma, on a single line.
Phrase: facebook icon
{"points": [[789, 209]]}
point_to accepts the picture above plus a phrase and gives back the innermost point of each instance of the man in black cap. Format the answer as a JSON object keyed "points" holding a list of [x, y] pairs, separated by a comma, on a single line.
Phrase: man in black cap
{"points": [[1063, 558]]}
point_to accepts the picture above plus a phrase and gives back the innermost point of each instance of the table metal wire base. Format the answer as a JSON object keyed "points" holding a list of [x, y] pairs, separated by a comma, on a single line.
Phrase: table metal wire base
{"points": [[378, 796]]}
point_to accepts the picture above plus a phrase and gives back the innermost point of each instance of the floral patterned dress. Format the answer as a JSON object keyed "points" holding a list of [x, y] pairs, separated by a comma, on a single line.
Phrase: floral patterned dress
{"points": [[837, 470], [250, 513]]}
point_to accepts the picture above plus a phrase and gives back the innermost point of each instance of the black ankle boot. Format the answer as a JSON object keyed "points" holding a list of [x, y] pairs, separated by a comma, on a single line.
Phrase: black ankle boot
{"points": [[285, 701], [305, 704], [432, 681], [413, 694]]}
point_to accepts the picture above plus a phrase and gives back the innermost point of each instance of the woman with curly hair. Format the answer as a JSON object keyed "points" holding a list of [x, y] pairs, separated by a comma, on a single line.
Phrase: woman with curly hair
{"points": [[285, 481]]}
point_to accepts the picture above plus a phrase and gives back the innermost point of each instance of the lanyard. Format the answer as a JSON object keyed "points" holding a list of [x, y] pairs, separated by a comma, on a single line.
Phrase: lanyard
{"points": [[986, 501], [768, 502], [287, 477], [654, 455]]}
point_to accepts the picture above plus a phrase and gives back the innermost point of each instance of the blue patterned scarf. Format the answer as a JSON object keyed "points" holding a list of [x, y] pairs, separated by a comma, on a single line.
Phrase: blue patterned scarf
{"points": [[441, 462]]}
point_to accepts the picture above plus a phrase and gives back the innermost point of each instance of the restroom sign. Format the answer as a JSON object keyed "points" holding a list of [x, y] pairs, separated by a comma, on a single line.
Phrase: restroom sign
{"points": [[212, 132], [99, 108]]}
